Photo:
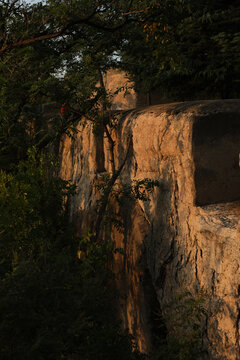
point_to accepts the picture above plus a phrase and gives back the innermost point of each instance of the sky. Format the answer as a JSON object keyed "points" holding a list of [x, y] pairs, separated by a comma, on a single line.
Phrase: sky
{"points": [[33, 1]]}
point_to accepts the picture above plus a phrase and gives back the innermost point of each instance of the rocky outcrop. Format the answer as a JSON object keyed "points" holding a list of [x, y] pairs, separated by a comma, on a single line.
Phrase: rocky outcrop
{"points": [[120, 89], [187, 236], [123, 95]]}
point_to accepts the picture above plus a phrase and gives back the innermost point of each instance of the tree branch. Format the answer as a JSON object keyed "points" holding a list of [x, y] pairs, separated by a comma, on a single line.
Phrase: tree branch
{"points": [[107, 192], [47, 36]]}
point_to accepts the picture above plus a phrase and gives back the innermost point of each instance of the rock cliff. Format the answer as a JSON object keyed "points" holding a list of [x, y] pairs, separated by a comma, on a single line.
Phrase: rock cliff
{"points": [[187, 236]]}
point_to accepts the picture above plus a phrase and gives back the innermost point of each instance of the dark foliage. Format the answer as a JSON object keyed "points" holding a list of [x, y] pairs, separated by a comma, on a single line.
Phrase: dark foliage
{"points": [[57, 296]]}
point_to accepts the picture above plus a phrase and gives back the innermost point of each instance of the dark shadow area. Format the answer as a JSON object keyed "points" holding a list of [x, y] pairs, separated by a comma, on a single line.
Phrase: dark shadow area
{"points": [[216, 154], [150, 98]]}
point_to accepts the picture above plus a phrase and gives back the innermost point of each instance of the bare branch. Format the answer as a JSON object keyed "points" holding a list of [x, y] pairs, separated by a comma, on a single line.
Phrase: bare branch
{"points": [[47, 36], [111, 148]]}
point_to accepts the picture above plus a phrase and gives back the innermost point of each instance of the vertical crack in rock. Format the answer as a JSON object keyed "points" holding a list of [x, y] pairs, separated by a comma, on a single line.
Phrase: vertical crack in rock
{"points": [[176, 197], [238, 330], [180, 142], [213, 281], [188, 227], [135, 165], [164, 132], [98, 152], [160, 281], [206, 327], [151, 258], [196, 266], [188, 258]]}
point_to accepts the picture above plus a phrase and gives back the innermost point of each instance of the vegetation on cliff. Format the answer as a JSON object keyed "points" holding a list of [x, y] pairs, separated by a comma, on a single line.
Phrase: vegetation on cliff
{"points": [[55, 288]]}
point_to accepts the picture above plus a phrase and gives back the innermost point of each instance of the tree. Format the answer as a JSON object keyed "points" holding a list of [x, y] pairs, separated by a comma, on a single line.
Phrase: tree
{"points": [[192, 48], [57, 291], [38, 44], [55, 303]]}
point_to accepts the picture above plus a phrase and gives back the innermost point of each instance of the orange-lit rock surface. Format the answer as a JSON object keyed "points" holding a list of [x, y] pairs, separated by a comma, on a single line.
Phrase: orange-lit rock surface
{"points": [[123, 95], [187, 236]]}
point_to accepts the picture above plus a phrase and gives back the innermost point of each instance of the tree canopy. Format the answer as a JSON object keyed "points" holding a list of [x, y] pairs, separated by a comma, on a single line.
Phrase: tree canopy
{"points": [[187, 50], [55, 51]]}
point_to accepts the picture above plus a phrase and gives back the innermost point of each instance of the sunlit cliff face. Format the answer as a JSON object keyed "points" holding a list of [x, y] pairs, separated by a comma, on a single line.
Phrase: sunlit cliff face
{"points": [[123, 96], [187, 236]]}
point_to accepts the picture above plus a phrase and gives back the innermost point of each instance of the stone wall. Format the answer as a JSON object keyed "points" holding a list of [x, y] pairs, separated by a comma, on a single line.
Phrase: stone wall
{"points": [[187, 236]]}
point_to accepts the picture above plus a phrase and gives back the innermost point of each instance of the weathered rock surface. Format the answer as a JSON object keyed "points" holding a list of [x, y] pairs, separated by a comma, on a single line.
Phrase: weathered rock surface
{"points": [[121, 89], [123, 95], [187, 236]]}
